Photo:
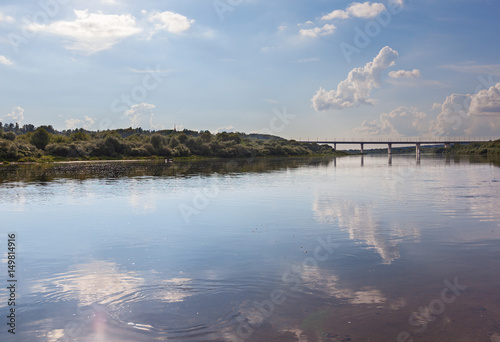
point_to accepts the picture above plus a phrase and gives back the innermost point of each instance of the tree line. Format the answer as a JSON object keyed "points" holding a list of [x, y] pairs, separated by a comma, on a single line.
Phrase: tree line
{"points": [[44, 143]]}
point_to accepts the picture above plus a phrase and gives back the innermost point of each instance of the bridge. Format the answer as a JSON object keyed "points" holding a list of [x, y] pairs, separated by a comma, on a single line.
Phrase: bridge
{"points": [[418, 142]]}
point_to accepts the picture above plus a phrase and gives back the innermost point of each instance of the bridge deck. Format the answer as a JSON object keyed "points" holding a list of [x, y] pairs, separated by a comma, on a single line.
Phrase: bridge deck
{"points": [[394, 142]]}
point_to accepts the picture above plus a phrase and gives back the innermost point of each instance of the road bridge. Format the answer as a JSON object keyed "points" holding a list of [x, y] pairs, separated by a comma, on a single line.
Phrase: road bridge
{"points": [[418, 142]]}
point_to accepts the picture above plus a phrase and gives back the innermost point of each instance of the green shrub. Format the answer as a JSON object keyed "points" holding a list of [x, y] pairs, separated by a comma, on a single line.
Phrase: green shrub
{"points": [[40, 138], [9, 136]]}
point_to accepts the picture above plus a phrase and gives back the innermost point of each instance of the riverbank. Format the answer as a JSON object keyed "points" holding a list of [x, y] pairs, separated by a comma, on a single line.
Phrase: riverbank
{"points": [[46, 145], [44, 160], [488, 149]]}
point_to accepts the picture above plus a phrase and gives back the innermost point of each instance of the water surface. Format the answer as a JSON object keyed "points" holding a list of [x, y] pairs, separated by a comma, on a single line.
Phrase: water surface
{"points": [[255, 250]]}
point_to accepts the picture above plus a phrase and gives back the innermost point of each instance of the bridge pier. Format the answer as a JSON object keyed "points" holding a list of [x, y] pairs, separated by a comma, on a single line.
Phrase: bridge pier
{"points": [[417, 150], [362, 148], [389, 148], [335, 146]]}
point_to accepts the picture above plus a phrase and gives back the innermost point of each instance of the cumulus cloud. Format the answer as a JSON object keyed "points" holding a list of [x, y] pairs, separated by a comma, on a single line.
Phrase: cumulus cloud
{"points": [[469, 114], [363, 10], [402, 121], [356, 89], [170, 22], [92, 32], [415, 73], [141, 115], [5, 61], [17, 115], [318, 31], [486, 102], [86, 123], [453, 116], [337, 14], [460, 114]]}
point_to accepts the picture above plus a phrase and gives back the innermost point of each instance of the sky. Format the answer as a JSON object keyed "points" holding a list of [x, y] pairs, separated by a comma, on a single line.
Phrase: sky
{"points": [[302, 69]]}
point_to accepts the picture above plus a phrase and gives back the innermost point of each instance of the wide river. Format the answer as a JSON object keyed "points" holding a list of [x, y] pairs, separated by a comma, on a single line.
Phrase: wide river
{"points": [[344, 249]]}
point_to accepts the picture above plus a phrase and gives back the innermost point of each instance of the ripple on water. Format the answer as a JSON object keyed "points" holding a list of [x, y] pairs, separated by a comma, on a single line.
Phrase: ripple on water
{"points": [[151, 305]]}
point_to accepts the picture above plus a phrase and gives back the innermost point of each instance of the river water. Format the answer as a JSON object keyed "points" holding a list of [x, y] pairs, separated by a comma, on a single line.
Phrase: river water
{"points": [[344, 249]]}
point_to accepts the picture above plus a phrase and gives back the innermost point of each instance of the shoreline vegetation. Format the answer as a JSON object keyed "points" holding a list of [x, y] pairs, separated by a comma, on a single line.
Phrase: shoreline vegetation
{"points": [[44, 144]]}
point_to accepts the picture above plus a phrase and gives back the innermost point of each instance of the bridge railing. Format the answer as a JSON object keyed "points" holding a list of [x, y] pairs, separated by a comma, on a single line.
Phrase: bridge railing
{"points": [[402, 140]]}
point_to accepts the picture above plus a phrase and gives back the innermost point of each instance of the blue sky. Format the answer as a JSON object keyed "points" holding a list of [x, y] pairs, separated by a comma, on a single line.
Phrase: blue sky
{"points": [[296, 68]]}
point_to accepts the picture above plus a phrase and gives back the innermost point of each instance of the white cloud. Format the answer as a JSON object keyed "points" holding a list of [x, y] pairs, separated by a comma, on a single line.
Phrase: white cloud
{"points": [[77, 123], [397, 2], [337, 14], [92, 32], [6, 18], [282, 28], [486, 102], [306, 23], [405, 121], [141, 115], [454, 113], [356, 89], [466, 114], [318, 31], [415, 73], [5, 61], [363, 10], [402, 121], [227, 129], [170, 22], [17, 115], [437, 106], [460, 114]]}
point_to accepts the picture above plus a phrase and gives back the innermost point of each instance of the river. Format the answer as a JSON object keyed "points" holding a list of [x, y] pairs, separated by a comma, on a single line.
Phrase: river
{"points": [[305, 249]]}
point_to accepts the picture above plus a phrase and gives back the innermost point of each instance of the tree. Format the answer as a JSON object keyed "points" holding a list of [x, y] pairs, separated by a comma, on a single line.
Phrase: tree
{"points": [[10, 136], [40, 138], [157, 141], [79, 134], [182, 137], [206, 136]]}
